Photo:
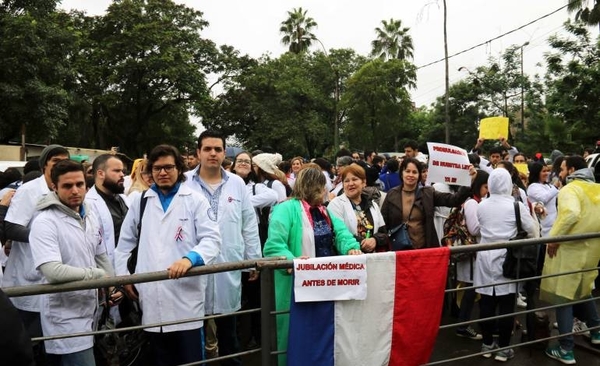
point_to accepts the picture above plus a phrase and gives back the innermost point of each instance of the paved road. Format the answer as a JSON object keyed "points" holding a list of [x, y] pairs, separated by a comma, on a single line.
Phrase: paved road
{"points": [[448, 346]]}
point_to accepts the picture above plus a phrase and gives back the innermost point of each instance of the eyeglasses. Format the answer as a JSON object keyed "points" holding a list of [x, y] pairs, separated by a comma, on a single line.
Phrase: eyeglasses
{"points": [[243, 161], [167, 168]]}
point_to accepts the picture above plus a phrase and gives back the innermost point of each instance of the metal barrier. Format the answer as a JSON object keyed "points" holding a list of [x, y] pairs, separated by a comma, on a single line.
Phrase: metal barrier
{"points": [[266, 266]]}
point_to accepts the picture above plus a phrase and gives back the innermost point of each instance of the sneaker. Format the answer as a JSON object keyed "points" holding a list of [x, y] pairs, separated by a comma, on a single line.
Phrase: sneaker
{"points": [[504, 355], [595, 337], [213, 353], [555, 325], [581, 328], [469, 332], [520, 302], [488, 349], [561, 355]]}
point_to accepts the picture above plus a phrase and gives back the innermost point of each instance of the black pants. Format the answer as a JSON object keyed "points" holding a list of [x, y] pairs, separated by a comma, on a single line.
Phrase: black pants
{"points": [[228, 340], [487, 308], [251, 300], [177, 348]]}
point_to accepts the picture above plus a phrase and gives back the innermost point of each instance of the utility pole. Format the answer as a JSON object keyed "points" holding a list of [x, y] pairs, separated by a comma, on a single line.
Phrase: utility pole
{"points": [[447, 95]]}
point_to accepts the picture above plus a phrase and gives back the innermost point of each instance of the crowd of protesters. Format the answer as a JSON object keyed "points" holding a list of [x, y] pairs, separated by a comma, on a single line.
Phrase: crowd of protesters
{"points": [[63, 221]]}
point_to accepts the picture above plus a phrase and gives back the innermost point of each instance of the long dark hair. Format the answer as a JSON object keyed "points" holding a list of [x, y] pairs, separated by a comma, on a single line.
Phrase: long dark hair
{"points": [[535, 170]]}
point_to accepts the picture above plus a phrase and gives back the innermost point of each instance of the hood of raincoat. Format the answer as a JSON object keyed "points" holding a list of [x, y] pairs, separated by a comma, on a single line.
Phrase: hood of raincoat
{"points": [[500, 183], [585, 174]]}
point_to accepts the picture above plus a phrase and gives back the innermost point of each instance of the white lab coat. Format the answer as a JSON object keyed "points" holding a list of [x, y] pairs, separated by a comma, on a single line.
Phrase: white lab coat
{"points": [[165, 238], [546, 194], [20, 270], [497, 223], [341, 207], [260, 195], [233, 211], [96, 202], [58, 237]]}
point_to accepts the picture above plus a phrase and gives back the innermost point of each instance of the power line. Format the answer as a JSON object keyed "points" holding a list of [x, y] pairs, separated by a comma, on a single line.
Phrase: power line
{"points": [[495, 38]]}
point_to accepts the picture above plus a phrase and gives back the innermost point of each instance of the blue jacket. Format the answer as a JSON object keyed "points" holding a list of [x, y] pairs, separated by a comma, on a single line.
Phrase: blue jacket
{"points": [[390, 180]]}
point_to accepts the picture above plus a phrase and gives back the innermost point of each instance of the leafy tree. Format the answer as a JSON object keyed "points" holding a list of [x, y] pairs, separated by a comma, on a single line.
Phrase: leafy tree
{"points": [[141, 71], [465, 114], [297, 30], [393, 41], [584, 11], [33, 70], [378, 103], [288, 103], [573, 91]]}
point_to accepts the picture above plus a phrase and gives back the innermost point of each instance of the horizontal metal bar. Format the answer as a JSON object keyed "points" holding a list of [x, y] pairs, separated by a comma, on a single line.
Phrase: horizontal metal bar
{"points": [[515, 313], [450, 290], [141, 327], [132, 279]]}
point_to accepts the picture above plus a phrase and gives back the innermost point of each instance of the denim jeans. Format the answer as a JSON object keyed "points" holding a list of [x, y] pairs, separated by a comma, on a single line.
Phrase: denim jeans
{"points": [[564, 318]]}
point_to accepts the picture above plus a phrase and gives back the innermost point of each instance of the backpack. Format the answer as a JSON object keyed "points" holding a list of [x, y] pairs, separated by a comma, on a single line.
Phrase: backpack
{"points": [[456, 233]]}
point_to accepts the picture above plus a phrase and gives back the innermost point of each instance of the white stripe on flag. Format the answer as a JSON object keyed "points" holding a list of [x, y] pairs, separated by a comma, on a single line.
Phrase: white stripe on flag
{"points": [[363, 329]]}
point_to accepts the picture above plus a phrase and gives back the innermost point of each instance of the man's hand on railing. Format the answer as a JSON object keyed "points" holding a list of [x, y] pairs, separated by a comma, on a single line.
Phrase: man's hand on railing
{"points": [[253, 275], [115, 295]]}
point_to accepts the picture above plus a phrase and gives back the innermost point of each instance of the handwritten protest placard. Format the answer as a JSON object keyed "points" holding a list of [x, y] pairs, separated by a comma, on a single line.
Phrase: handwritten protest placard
{"points": [[493, 128], [522, 168], [448, 164], [330, 278]]}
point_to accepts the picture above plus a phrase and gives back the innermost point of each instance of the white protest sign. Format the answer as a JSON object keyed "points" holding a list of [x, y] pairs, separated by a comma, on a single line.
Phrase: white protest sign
{"points": [[341, 277], [448, 164]]}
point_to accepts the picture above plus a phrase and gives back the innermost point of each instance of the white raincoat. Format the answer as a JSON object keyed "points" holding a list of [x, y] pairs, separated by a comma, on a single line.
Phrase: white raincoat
{"points": [[497, 223]]}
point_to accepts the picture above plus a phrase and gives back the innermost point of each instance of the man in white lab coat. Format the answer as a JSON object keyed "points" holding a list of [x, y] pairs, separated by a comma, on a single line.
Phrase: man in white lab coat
{"points": [[20, 270], [66, 245], [174, 235], [231, 208]]}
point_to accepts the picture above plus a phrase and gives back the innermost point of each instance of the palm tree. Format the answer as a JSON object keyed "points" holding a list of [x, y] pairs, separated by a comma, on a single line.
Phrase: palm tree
{"points": [[296, 30], [583, 12], [393, 41]]}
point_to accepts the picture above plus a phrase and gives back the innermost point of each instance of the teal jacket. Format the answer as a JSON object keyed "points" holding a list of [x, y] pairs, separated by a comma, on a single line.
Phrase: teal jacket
{"points": [[285, 240]]}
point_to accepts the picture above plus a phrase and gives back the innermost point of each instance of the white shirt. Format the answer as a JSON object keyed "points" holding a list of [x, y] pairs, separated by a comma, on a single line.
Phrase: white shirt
{"points": [[165, 238], [57, 237], [232, 209], [20, 270], [546, 194]]}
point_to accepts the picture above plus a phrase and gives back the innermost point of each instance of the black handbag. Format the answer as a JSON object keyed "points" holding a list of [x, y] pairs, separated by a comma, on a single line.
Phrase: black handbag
{"points": [[520, 262], [399, 238]]}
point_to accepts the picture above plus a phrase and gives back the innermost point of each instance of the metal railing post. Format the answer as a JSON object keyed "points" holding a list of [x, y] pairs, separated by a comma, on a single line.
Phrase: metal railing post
{"points": [[267, 320]]}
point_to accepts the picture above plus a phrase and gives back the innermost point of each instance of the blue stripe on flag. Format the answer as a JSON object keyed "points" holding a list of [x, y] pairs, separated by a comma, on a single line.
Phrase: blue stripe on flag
{"points": [[312, 340]]}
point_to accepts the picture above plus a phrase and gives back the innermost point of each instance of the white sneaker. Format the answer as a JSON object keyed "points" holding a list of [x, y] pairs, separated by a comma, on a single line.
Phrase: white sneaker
{"points": [[581, 327], [521, 303]]}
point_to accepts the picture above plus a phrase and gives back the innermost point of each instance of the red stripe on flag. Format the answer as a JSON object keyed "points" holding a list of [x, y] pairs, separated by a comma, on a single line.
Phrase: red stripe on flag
{"points": [[419, 298]]}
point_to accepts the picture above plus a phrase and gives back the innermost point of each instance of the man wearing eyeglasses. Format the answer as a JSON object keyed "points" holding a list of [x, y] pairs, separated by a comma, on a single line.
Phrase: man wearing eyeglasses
{"points": [[231, 208], [171, 235]]}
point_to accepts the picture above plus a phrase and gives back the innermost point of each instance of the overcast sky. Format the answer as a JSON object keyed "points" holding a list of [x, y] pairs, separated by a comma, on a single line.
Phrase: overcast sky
{"points": [[252, 26]]}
